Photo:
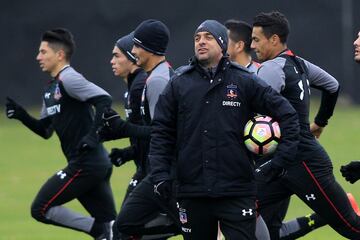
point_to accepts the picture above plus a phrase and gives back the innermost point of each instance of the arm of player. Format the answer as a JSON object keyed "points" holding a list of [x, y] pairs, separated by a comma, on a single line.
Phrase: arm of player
{"points": [[329, 86], [155, 86], [100, 103], [119, 156], [83, 90], [272, 73], [41, 127], [266, 100], [135, 130], [121, 128], [163, 136], [114, 127]]}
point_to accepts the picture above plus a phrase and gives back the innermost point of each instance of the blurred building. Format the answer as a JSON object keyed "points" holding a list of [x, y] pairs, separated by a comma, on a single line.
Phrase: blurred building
{"points": [[322, 31]]}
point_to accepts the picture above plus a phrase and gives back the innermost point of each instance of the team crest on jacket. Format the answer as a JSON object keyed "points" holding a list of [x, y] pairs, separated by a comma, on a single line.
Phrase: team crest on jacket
{"points": [[182, 215], [231, 91], [57, 93]]}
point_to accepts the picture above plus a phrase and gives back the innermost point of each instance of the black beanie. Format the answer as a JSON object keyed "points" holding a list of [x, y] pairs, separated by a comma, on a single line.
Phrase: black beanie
{"points": [[216, 29], [125, 44], [153, 36]]}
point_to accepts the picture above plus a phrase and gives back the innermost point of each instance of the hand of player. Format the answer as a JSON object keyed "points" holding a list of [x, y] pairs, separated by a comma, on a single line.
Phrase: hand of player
{"points": [[14, 110], [268, 172], [163, 189], [351, 172], [316, 130], [117, 156], [112, 125], [106, 134]]}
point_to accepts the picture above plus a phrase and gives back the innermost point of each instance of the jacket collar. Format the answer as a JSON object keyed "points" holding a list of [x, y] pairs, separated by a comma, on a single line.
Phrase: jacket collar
{"points": [[222, 66], [132, 76]]}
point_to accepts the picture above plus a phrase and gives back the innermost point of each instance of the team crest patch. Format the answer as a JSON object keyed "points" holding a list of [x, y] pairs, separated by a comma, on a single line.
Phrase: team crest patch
{"points": [[231, 91], [57, 93], [183, 216]]}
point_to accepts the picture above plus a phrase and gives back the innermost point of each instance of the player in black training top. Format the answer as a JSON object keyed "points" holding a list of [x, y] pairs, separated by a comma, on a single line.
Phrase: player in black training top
{"points": [[68, 103], [124, 65], [311, 176], [143, 213], [351, 171]]}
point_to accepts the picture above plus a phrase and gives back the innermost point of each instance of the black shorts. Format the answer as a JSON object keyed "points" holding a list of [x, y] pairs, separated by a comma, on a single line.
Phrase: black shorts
{"points": [[141, 207], [90, 185], [314, 183], [200, 217]]}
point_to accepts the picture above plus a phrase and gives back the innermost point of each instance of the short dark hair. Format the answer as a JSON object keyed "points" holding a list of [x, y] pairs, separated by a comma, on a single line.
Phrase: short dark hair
{"points": [[273, 23], [240, 31], [60, 38]]}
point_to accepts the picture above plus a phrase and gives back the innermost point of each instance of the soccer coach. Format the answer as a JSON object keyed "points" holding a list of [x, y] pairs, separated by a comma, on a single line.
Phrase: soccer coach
{"points": [[198, 131]]}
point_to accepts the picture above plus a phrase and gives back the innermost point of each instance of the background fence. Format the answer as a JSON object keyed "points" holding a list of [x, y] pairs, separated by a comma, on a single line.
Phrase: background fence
{"points": [[322, 31]]}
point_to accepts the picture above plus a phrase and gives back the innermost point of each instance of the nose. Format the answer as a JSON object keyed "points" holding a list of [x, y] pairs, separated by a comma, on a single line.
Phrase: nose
{"points": [[202, 41], [252, 45], [134, 50], [38, 57]]}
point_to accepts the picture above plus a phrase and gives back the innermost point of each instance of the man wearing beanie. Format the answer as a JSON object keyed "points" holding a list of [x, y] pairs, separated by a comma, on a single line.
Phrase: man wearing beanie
{"points": [[198, 130], [123, 64], [142, 212]]}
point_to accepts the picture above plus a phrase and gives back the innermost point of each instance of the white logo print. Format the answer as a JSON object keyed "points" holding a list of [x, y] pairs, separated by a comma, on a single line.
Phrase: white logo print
{"points": [[295, 70], [250, 212], [187, 230], [53, 109], [133, 182], [221, 40], [61, 174], [310, 197]]}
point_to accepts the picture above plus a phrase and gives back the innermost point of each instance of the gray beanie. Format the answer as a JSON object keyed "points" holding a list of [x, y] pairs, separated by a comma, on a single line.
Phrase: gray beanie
{"points": [[125, 44], [216, 29]]}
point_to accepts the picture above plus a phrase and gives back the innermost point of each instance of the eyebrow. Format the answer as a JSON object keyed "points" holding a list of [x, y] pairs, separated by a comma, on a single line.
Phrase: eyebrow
{"points": [[206, 33]]}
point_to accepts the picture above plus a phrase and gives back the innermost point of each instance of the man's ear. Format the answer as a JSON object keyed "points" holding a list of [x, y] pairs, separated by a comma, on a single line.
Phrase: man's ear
{"points": [[275, 39], [240, 45], [61, 54]]}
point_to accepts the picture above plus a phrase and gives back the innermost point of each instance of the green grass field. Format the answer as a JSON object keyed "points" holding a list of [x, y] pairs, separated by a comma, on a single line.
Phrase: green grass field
{"points": [[27, 161]]}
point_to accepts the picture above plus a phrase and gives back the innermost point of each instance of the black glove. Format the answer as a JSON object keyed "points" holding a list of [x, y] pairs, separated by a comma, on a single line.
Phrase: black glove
{"points": [[268, 172], [113, 125], [88, 142], [163, 189], [14, 110], [351, 172], [107, 134], [119, 156]]}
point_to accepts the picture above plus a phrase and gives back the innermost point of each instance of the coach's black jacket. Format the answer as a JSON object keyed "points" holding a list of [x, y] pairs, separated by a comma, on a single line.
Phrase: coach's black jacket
{"points": [[198, 126]]}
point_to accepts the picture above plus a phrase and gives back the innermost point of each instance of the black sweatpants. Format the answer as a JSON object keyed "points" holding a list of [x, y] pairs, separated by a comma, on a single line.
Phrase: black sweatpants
{"points": [[140, 208], [90, 185], [315, 184], [135, 180], [200, 217]]}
